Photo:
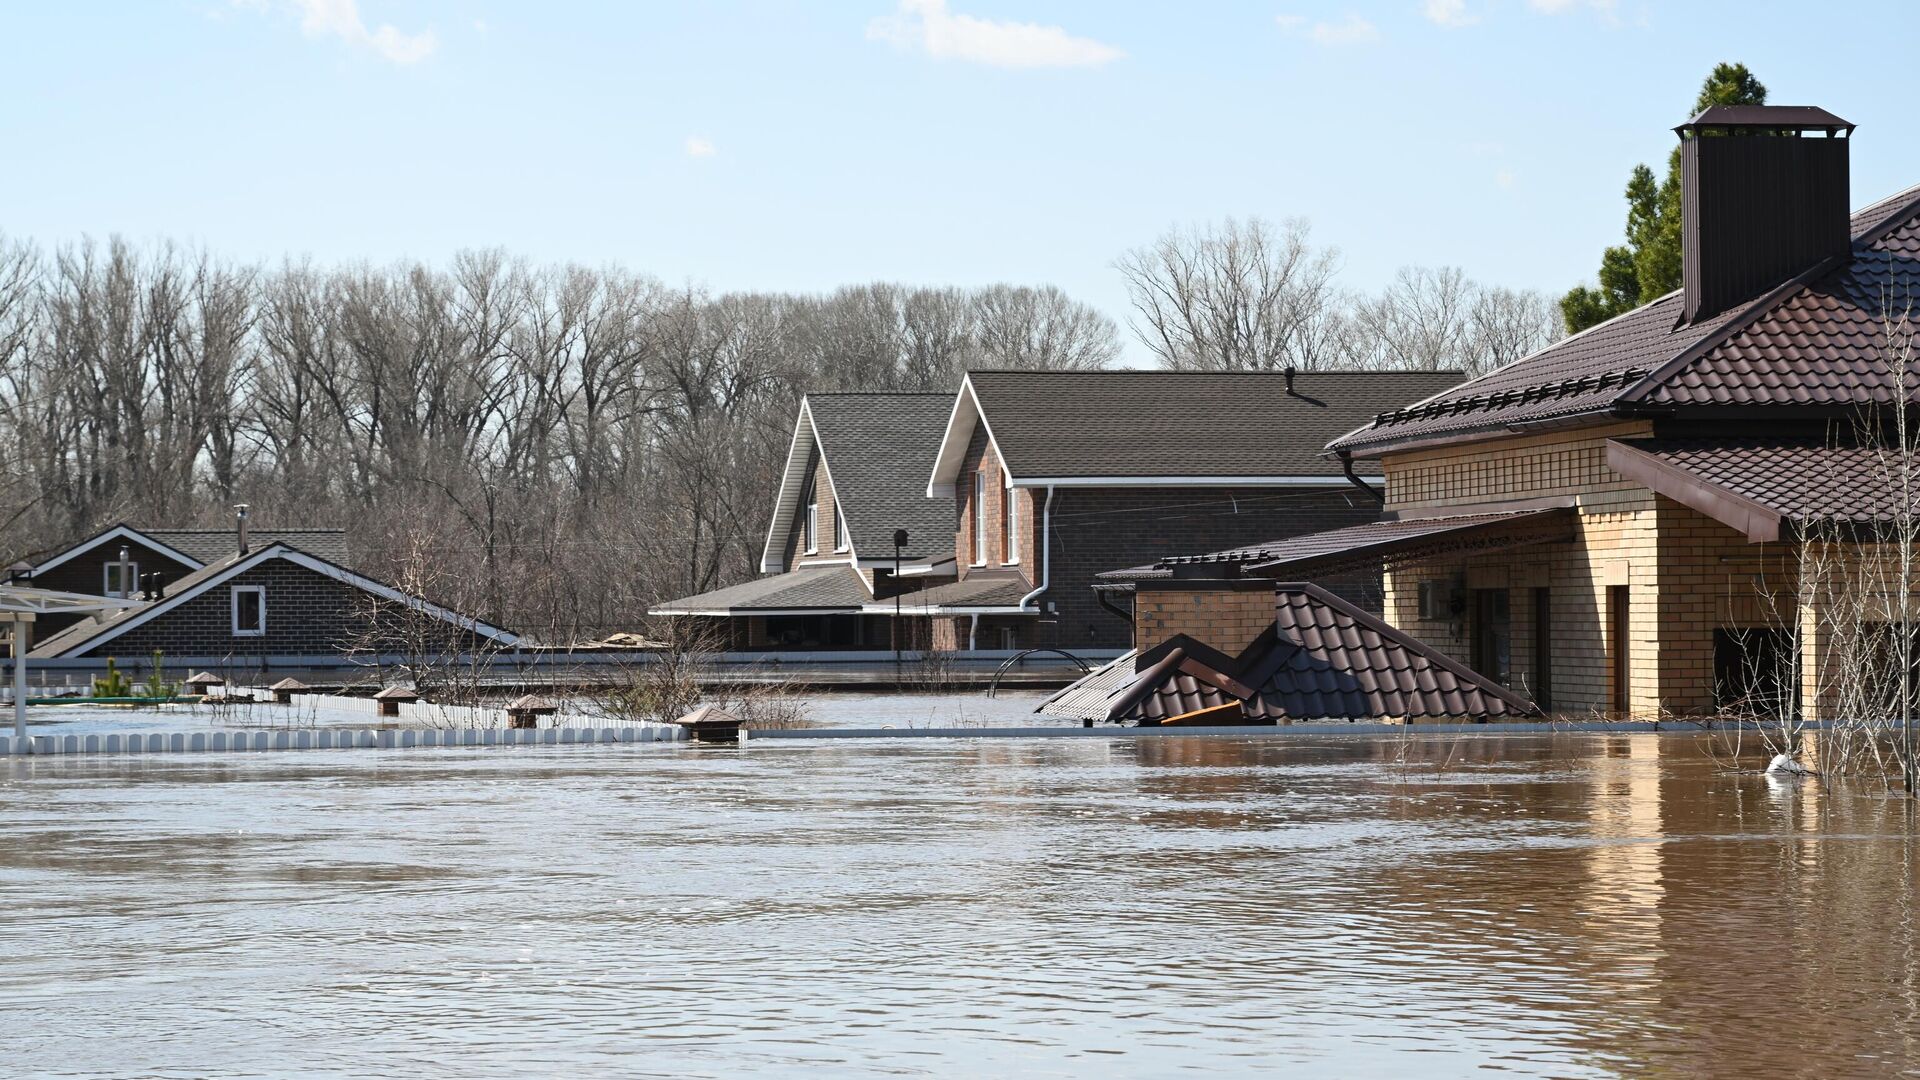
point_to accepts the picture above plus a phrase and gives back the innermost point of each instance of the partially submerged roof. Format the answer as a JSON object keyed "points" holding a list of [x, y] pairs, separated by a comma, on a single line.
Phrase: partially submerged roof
{"points": [[1323, 659], [1119, 427], [1772, 489], [1367, 545], [1816, 343], [819, 590], [93, 633], [877, 449]]}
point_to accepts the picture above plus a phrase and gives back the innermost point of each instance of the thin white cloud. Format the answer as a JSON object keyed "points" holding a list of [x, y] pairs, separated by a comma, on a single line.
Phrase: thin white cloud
{"points": [[927, 26], [699, 146], [1351, 30], [341, 19], [1448, 13]]}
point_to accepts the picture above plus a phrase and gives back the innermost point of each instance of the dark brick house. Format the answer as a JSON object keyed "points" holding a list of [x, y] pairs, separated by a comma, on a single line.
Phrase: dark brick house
{"points": [[856, 467], [123, 560], [274, 606], [1055, 477]]}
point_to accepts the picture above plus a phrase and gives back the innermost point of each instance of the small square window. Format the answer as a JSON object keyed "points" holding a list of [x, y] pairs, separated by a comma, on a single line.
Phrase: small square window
{"points": [[113, 584], [249, 611]]}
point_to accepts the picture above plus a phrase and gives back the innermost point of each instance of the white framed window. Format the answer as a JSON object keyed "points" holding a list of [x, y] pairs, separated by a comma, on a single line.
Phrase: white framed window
{"points": [[1009, 523], [840, 539], [249, 610], [111, 583], [810, 526], [979, 519]]}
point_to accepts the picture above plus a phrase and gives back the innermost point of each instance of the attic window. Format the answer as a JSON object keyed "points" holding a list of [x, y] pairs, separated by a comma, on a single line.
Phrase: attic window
{"points": [[112, 584], [249, 610]]}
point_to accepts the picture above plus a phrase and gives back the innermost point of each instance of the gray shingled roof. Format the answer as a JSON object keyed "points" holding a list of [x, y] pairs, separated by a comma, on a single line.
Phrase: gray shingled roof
{"points": [[1323, 659], [974, 591], [1185, 423], [879, 448], [820, 588], [215, 545], [1815, 341]]}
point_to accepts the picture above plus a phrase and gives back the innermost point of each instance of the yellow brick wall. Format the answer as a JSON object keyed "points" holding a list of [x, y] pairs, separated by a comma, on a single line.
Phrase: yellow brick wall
{"points": [[1226, 619], [1685, 573]]}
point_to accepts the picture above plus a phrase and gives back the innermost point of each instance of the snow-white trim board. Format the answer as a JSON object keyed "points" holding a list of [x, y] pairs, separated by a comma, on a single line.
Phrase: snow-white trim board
{"points": [[792, 486], [953, 445], [118, 532], [302, 559]]}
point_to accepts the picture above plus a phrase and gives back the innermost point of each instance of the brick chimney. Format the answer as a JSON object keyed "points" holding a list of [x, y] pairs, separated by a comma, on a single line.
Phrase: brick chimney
{"points": [[1764, 197], [1223, 612]]}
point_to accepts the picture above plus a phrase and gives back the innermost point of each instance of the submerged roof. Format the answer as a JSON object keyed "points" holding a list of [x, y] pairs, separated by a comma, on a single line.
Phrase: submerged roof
{"points": [[1323, 659], [1818, 340], [877, 449], [1772, 489], [1171, 425], [814, 590], [92, 633]]}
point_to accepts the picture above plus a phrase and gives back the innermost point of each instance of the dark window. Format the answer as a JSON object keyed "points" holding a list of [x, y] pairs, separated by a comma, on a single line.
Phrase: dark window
{"points": [[249, 610], [1753, 673], [1543, 648], [1493, 635]]}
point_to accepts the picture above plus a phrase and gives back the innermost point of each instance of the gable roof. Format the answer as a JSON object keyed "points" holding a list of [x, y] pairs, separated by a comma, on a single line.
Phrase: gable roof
{"points": [[1322, 659], [1121, 427], [91, 633], [195, 548], [1771, 488], [1812, 341], [876, 448]]}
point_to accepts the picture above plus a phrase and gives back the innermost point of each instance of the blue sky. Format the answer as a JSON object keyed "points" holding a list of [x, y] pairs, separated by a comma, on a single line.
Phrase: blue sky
{"points": [[764, 145]]}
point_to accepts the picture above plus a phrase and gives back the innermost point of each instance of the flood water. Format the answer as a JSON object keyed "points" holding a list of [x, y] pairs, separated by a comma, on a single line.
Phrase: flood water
{"points": [[1564, 906]]}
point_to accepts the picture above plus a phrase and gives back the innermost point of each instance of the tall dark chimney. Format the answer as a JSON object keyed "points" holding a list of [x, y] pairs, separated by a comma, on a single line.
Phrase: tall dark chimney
{"points": [[1764, 193]]}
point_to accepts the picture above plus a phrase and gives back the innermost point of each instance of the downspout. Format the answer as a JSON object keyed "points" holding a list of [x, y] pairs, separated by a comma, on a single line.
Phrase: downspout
{"points": [[973, 632], [1346, 466], [1046, 549]]}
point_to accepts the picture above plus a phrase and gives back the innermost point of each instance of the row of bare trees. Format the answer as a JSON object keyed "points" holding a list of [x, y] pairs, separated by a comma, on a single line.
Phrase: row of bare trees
{"points": [[577, 442], [1252, 296]]}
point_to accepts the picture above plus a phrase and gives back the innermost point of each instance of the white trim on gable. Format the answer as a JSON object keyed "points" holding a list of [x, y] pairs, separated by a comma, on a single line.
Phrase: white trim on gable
{"points": [[118, 532], [953, 445], [299, 558], [785, 504]]}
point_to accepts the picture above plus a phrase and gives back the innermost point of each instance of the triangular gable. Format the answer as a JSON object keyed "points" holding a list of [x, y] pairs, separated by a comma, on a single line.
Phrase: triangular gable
{"points": [[87, 636], [793, 484], [118, 532], [967, 414]]}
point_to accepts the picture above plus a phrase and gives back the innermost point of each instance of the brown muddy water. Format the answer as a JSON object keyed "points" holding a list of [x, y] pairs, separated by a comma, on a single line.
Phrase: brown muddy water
{"points": [[1563, 906]]}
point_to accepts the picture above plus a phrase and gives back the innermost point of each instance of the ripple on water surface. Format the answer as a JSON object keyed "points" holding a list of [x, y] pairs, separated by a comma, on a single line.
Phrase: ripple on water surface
{"points": [[1566, 906]]}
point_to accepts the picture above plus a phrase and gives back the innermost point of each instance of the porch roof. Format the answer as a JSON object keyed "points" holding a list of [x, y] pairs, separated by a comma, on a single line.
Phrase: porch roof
{"points": [[1363, 546], [1323, 658], [992, 590], [1770, 489], [819, 590]]}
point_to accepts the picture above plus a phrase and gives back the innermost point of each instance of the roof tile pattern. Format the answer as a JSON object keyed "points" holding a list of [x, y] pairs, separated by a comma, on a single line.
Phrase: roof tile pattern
{"points": [[1184, 423], [1323, 659], [976, 590], [879, 448], [1803, 480], [216, 545], [1816, 343]]}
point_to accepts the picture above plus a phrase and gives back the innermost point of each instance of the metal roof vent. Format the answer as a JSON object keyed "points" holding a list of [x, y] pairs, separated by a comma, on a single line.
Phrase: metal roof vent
{"points": [[1760, 202]]}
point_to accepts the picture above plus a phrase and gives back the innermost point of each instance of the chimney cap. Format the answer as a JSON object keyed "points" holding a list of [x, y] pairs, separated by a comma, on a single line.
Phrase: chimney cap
{"points": [[1772, 117]]}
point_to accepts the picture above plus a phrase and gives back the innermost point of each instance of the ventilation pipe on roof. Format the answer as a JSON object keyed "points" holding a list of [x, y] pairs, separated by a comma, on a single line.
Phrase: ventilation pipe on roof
{"points": [[240, 524], [1760, 203], [1289, 373]]}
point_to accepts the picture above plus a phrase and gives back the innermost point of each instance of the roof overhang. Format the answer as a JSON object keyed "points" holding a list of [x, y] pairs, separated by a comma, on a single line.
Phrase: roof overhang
{"points": [[1761, 523], [966, 414], [25, 600], [1188, 481], [793, 481]]}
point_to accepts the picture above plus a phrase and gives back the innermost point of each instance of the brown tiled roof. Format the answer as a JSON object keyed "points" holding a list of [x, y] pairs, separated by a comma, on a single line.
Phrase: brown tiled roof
{"points": [[1184, 423], [1768, 488], [1811, 341], [1366, 545], [1323, 659]]}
